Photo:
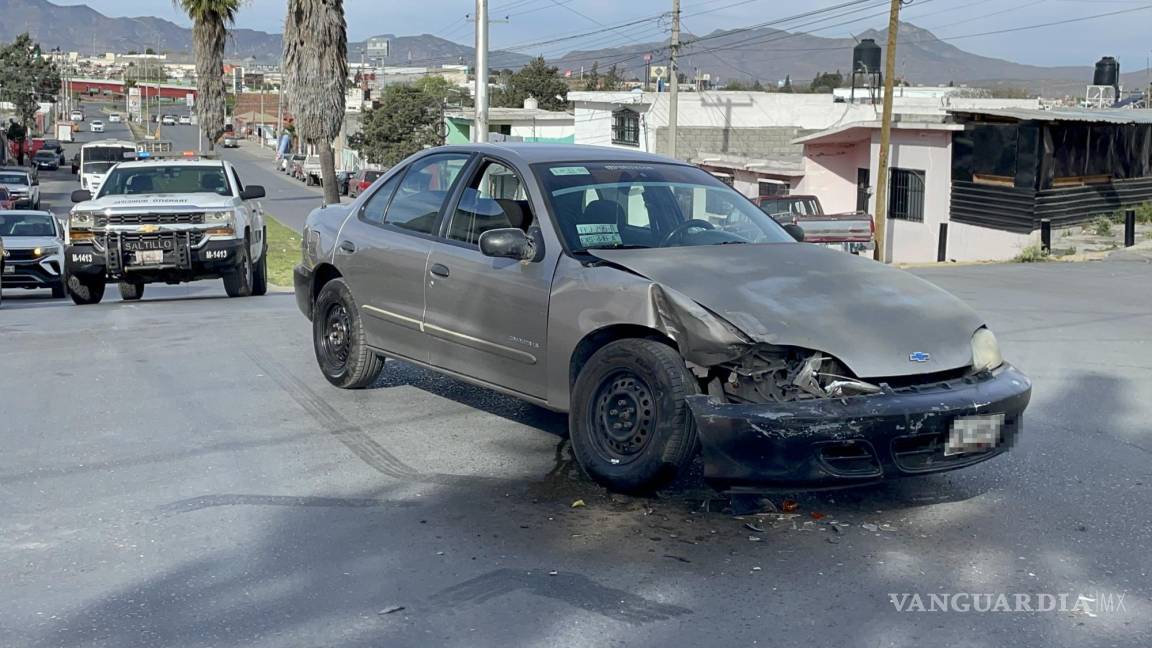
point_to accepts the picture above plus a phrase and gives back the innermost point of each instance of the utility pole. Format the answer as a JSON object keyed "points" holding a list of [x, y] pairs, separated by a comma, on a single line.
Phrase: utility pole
{"points": [[674, 77], [480, 122], [881, 251]]}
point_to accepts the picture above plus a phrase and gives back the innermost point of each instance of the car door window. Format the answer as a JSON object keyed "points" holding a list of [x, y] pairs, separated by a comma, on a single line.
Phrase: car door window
{"points": [[423, 192], [494, 199], [374, 208]]}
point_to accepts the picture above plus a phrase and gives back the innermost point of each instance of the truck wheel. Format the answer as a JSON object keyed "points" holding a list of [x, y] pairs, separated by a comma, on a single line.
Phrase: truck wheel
{"points": [[630, 427], [260, 274], [338, 337], [131, 291], [85, 291], [238, 283]]}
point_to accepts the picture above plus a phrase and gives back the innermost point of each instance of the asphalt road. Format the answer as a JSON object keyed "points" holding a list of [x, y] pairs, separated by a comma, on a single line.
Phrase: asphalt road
{"points": [[176, 472]]}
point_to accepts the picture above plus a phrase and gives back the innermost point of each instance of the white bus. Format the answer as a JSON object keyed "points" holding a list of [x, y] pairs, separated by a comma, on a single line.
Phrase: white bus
{"points": [[97, 158]]}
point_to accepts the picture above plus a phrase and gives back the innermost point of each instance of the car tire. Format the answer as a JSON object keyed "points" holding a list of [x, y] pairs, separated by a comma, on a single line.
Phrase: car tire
{"points": [[131, 291], [630, 428], [85, 292], [238, 283], [58, 291], [338, 338], [260, 273]]}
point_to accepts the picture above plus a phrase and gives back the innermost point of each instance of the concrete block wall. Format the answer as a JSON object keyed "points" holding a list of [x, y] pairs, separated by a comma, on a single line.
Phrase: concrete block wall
{"points": [[769, 142]]}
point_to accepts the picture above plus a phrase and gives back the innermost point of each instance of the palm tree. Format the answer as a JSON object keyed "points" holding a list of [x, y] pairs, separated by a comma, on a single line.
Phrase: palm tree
{"points": [[209, 37], [316, 77]]}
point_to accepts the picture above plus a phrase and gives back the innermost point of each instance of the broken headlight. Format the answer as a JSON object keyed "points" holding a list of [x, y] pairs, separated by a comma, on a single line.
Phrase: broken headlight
{"points": [[80, 219], [985, 351]]}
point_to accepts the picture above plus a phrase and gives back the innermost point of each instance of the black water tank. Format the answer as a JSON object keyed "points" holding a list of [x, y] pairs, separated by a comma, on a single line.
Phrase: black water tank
{"points": [[1107, 72], [866, 57]]}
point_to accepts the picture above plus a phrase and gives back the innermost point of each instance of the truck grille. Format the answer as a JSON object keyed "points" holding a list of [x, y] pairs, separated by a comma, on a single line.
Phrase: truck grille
{"points": [[103, 220]]}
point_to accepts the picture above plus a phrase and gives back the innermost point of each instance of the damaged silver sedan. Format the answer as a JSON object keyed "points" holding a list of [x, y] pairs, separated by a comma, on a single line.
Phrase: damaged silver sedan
{"points": [[666, 313]]}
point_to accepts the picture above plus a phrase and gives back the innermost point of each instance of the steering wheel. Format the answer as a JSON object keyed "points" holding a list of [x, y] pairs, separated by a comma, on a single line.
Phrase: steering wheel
{"points": [[685, 226]]}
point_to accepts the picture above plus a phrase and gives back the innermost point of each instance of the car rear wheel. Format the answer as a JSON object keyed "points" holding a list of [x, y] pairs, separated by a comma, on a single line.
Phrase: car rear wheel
{"points": [[630, 427], [85, 291], [131, 290], [238, 283], [338, 338]]}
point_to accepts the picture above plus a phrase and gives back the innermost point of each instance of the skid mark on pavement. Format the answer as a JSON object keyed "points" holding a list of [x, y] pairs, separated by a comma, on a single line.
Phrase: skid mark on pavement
{"points": [[212, 501], [353, 436], [576, 590]]}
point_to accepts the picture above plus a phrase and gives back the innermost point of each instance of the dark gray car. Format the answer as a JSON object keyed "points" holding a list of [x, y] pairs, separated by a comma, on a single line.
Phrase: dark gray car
{"points": [[663, 311]]}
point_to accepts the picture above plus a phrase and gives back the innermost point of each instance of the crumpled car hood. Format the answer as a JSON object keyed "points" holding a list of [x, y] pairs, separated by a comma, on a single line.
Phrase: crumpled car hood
{"points": [[870, 316]]}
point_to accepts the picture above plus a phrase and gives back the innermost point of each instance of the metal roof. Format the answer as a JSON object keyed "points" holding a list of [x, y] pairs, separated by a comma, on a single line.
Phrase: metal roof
{"points": [[1125, 116]]}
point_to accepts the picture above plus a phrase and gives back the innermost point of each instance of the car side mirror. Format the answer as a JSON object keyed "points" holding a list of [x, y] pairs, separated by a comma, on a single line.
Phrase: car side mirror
{"points": [[81, 195], [252, 192], [796, 231], [508, 243]]}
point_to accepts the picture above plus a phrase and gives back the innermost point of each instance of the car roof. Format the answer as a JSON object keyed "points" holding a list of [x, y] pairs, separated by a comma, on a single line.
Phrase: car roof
{"points": [[12, 169], [533, 153], [170, 161], [21, 212]]}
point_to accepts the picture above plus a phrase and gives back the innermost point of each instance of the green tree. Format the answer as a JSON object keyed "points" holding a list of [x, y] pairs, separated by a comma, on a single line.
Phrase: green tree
{"points": [[210, 20], [592, 83], [787, 87], [27, 78], [538, 80], [735, 84], [825, 82], [613, 80], [316, 78], [405, 121], [444, 90], [758, 87]]}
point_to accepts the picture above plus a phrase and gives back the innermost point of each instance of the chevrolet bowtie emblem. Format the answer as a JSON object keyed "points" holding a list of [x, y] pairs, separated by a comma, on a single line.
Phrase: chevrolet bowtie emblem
{"points": [[148, 229]]}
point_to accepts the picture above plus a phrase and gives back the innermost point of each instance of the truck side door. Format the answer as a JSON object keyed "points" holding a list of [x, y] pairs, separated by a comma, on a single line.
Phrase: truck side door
{"points": [[489, 317], [255, 213]]}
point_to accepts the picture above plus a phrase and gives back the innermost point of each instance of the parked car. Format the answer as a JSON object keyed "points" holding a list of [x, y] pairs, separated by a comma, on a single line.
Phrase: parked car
{"points": [[231, 141], [287, 161], [75, 163], [56, 146], [185, 120], [6, 200], [97, 126], [662, 311], [76, 116], [168, 120], [33, 251], [851, 231], [362, 180], [114, 118], [23, 184], [310, 171], [46, 159]]}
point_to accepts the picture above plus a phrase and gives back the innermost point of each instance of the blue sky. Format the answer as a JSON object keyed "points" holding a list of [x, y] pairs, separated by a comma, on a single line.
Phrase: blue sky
{"points": [[531, 21]]}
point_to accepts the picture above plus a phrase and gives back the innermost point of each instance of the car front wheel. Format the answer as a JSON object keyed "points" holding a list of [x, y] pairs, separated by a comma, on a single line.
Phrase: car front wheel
{"points": [[238, 283], [342, 351], [131, 290], [630, 427], [85, 291]]}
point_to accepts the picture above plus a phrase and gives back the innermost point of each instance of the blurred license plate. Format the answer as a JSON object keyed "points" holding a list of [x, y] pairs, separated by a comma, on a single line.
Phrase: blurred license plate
{"points": [[149, 257], [974, 434], [8, 269]]}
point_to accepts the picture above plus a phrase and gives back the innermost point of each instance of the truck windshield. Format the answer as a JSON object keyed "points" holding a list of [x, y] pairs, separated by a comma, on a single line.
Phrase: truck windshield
{"points": [[794, 206], [647, 205], [107, 153], [173, 179]]}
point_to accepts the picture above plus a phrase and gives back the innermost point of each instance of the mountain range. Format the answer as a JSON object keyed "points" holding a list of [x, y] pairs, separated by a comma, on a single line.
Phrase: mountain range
{"points": [[764, 54]]}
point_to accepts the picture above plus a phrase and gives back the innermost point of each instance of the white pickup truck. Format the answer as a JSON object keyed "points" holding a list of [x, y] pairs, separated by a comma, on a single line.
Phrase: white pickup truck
{"points": [[166, 220]]}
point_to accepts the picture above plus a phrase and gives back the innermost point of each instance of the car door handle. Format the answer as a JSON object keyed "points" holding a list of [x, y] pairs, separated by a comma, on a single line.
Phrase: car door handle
{"points": [[439, 269], [348, 246]]}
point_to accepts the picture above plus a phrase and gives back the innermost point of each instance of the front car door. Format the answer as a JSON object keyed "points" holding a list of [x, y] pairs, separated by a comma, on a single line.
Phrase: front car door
{"points": [[489, 316], [383, 251]]}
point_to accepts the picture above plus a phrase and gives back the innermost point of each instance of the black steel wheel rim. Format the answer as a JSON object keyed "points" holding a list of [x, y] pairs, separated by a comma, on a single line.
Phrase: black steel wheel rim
{"points": [[622, 417], [336, 340]]}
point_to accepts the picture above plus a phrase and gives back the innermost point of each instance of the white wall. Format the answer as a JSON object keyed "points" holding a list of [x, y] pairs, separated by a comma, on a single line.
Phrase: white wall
{"points": [[830, 172], [551, 128], [593, 119]]}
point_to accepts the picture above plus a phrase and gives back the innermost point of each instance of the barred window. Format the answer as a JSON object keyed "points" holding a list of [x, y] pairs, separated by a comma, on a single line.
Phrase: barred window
{"points": [[906, 195], [626, 127]]}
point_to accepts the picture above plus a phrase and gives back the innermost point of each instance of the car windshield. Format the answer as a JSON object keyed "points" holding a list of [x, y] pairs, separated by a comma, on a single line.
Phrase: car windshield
{"points": [[602, 205], [46, 154], [166, 179], [98, 167], [52, 144], [26, 224], [13, 179]]}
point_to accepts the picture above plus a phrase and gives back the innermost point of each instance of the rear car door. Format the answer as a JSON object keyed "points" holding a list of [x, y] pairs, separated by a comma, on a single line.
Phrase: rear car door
{"points": [[489, 317], [383, 251]]}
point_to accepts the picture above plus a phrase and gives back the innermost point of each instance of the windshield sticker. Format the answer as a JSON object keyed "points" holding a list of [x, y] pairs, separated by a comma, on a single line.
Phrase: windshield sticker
{"points": [[629, 167], [598, 234], [569, 171]]}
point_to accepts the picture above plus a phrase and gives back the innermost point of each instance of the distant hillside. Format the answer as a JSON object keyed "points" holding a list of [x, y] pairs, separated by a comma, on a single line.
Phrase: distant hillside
{"points": [[427, 50]]}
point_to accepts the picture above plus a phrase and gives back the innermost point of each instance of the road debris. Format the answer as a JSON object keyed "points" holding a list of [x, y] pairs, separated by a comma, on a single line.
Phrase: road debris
{"points": [[553, 572], [789, 506], [677, 558], [391, 609], [578, 504], [816, 515], [868, 526], [755, 539], [753, 527]]}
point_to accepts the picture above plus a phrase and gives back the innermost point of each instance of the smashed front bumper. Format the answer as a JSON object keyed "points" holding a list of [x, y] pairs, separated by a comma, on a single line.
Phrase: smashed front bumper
{"points": [[858, 440]]}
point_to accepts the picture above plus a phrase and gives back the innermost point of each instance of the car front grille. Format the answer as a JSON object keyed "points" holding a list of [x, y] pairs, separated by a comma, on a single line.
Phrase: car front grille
{"points": [[850, 459], [194, 218], [920, 452], [20, 255]]}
